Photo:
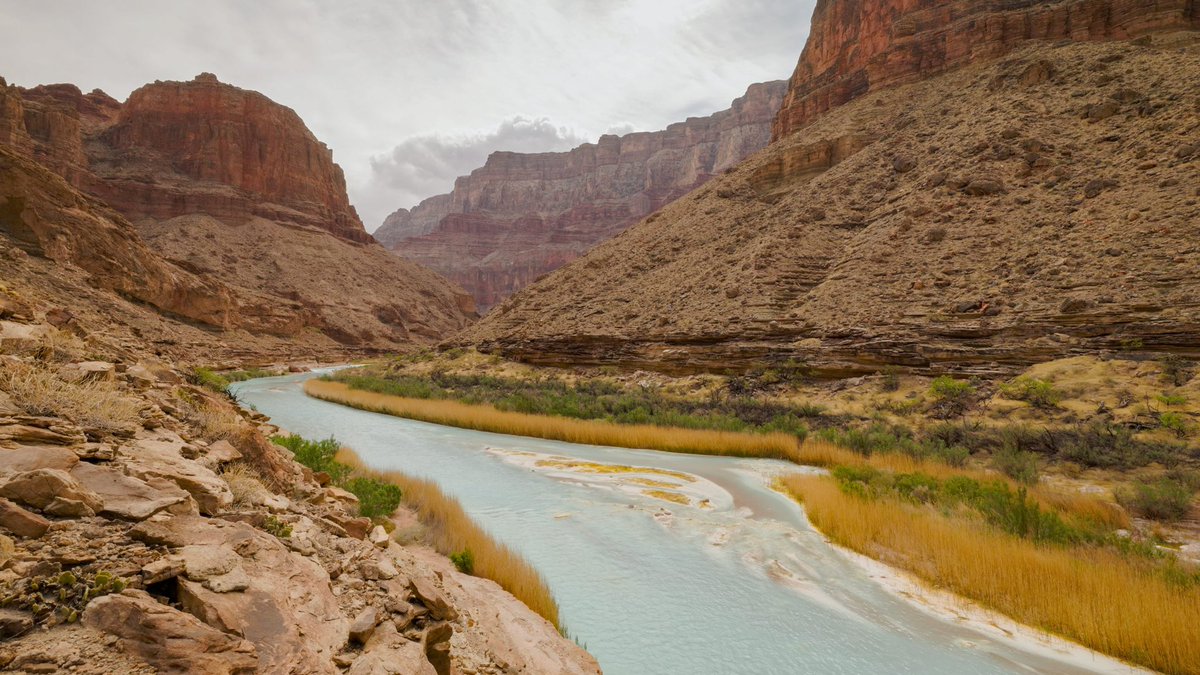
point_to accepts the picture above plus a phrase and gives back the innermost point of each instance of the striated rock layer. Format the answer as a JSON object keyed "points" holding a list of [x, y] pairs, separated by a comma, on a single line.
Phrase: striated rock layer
{"points": [[857, 46], [1038, 206], [523, 215], [212, 162]]}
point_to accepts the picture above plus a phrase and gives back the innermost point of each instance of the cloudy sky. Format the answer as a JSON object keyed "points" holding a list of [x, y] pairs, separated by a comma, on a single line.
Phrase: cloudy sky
{"points": [[412, 93]]}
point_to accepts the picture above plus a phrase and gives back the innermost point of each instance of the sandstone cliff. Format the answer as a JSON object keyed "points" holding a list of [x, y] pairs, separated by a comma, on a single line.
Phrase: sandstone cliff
{"points": [[1009, 212], [523, 215], [857, 46], [211, 162]]}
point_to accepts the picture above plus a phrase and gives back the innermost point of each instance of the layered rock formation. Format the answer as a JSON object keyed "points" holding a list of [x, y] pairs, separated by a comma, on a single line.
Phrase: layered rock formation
{"points": [[857, 46], [523, 215], [1009, 212], [208, 161]]}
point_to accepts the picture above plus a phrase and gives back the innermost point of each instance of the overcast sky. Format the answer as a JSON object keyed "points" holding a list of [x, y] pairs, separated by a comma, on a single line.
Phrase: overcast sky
{"points": [[412, 93]]}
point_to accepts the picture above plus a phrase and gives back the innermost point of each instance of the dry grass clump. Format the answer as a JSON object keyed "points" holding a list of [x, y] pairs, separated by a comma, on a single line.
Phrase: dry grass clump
{"points": [[215, 422], [94, 405], [1106, 601], [590, 432], [451, 531], [245, 483]]}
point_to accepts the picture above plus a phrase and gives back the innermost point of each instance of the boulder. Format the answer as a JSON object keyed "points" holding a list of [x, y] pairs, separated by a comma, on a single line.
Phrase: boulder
{"points": [[29, 458], [379, 537], [52, 490], [130, 498], [389, 653], [432, 598], [162, 460], [169, 639], [14, 623], [363, 625], [204, 561], [437, 647], [21, 522]]}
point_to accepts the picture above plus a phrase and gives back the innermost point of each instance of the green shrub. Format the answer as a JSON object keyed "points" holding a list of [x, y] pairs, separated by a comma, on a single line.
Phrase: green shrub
{"points": [[889, 379], [1037, 393], [376, 498], [316, 455], [464, 561], [951, 397], [1019, 465], [1163, 499], [1171, 399], [1174, 422], [209, 379], [1175, 370]]}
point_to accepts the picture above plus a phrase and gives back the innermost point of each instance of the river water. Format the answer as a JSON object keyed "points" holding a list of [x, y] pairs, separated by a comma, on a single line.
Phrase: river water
{"points": [[735, 582]]}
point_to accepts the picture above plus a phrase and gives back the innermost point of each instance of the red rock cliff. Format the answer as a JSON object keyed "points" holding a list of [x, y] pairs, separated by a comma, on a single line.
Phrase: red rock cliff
{"points": [[521, 216], [856, 46], [195, 140]]}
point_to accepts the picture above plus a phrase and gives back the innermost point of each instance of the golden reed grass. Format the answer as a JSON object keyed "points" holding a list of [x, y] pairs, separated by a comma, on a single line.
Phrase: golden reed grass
{"points": [[589, 432], [1098, 598], [451, 530], [672, 439]]}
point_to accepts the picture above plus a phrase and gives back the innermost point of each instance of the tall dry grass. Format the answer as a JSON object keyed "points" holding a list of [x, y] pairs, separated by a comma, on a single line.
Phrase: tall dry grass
{"points": [[451, 530], [590, 432], [1098, 598], [93, 405]]}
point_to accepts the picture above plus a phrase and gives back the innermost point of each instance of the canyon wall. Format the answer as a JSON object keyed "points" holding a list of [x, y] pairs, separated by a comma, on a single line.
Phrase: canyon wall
{"points": [[1033, 206], [231, 187], [857, 46], [521, 216]]}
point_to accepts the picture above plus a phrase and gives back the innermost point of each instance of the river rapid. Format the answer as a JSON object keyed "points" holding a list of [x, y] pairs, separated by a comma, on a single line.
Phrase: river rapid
{"points": [[735, 581]]}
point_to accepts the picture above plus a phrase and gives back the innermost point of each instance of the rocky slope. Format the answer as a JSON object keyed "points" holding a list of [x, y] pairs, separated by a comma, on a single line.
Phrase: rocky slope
{"points": [[202, 159], [1009, 212], [147, 525], [523, 215]]}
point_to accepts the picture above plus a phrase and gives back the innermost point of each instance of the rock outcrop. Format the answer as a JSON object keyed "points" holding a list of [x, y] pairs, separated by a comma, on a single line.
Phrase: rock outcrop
{"points": [[208, 161], [521, 216], [1009, 212], [859, 46]]}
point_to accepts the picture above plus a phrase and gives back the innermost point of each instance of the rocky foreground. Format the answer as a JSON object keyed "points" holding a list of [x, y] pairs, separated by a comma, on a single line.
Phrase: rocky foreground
{"points": [[149, 526], [1034, 201]]}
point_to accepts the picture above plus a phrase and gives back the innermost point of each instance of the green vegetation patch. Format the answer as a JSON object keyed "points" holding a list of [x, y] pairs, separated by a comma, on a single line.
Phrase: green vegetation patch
{"points": [[376, 498]]}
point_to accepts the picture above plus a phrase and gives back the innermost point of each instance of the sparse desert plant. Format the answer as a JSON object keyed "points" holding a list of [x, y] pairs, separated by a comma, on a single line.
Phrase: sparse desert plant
{"points": [[1019, 465], [464, 561], [316, 455], [889, 379], [951, 397], [97, 406], [209, 379], [1172, 399], [376, 498], [1173, 422], [278, 528], [245, 483], [1164, 499], [1036, 392], [215, 422]]}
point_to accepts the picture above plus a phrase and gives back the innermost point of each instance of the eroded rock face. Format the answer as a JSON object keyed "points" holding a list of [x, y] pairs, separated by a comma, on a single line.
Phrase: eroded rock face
{"points": [[521, 216], [178, 147], [858, 46]]}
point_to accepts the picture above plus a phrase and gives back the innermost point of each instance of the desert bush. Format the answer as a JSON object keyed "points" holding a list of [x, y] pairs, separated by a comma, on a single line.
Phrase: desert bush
{"points": [[376, 498], [209, 379], [951, 397], [215, 422], [889, 379], [316, 455], [464, 561], [1173, 422], [245, 483], [1164, 499], [1172, 399], [1175, 370], [1019, 465], [275, 526], [1036, 392], [98, 407]]}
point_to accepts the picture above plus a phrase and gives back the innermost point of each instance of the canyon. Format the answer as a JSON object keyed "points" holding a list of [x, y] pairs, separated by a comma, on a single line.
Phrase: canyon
{"points": [[989, 214], [521, 216], [205, 189]]}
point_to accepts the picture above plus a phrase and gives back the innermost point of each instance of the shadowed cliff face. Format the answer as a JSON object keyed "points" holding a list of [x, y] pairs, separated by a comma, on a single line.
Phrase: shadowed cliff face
{"points": [[857, 46], [229, 186], [521, 216]]}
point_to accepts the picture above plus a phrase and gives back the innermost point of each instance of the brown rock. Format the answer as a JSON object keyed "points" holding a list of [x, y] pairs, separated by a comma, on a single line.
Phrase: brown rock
{"points": [[979, 187], [161, 461], [432, 598], [363, 625], [437, 647], [28, 458], [52, 490], [21, 522], [14, 623], [388, 653], [130, 498], [168, 638]]}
